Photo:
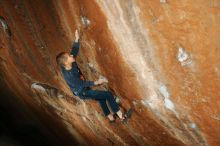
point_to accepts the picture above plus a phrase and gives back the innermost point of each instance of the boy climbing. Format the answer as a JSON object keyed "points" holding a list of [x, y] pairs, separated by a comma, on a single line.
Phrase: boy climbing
{"points": [[80, 87]]}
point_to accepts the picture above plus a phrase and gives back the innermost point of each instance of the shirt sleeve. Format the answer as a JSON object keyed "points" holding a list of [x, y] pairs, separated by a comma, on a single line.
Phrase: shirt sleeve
{"points": [[87, 83], [75, 49]]}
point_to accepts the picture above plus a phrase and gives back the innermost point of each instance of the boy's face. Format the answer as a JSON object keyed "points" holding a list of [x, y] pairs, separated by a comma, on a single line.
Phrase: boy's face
{"points": [[69, 59]]}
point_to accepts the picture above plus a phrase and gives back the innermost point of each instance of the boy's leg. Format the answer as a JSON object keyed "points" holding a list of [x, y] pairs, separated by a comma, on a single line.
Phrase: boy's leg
{"points": [[102, 96], [103, 105], [112, 103], [96, 95]]}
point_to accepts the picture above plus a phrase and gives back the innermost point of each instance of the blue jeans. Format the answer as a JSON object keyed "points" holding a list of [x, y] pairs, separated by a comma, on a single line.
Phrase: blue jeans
{"points": [[101, 97]]}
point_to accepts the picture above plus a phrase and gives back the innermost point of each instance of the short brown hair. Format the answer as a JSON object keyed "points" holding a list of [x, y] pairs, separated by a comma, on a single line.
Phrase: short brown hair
{"points": [[61, 58]]}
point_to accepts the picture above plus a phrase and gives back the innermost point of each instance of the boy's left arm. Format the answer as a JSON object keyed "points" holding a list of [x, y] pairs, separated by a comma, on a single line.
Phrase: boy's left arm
{"points": [[75, 46]]}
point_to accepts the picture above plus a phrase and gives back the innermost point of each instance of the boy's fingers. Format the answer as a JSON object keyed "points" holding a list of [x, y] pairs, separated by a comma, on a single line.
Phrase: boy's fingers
{"points": [[76, 32]]}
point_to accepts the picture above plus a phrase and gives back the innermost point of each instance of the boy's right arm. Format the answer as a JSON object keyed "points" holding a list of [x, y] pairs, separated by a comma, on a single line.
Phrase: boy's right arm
{"points": [[92, 83], [75, 46]]}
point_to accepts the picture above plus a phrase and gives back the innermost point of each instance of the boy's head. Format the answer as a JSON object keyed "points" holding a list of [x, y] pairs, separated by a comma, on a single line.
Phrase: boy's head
{"points": [[64, 59]]}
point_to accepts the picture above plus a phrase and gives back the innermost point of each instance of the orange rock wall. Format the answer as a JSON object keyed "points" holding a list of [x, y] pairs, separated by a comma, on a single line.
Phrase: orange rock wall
{"points": [[161, 58]]}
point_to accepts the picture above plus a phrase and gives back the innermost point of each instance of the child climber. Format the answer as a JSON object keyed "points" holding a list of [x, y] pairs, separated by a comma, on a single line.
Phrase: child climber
{"points": [[80, 88]]}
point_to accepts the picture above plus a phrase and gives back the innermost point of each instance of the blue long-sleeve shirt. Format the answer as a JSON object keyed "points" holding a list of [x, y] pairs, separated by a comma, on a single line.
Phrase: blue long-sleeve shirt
{"points": [[72, 76]]}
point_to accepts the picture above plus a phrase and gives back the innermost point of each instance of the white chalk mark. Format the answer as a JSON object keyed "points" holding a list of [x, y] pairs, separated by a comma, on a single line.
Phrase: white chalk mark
{"points": [[163, 91], [38, 87], [183, 57]]}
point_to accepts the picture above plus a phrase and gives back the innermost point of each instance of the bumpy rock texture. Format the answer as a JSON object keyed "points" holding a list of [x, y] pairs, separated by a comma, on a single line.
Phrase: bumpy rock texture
{"points": [[161, 59]]}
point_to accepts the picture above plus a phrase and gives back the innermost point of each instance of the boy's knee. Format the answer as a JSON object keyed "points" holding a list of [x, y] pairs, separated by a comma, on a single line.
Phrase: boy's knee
{"points": [[109, 94]]}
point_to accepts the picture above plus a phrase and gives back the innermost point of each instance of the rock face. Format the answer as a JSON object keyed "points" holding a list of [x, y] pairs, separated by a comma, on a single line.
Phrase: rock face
{"points": [[161, 59]]}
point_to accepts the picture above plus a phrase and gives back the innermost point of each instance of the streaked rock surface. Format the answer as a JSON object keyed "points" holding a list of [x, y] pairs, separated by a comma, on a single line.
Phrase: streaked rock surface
{"points": [[161, 58]]}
